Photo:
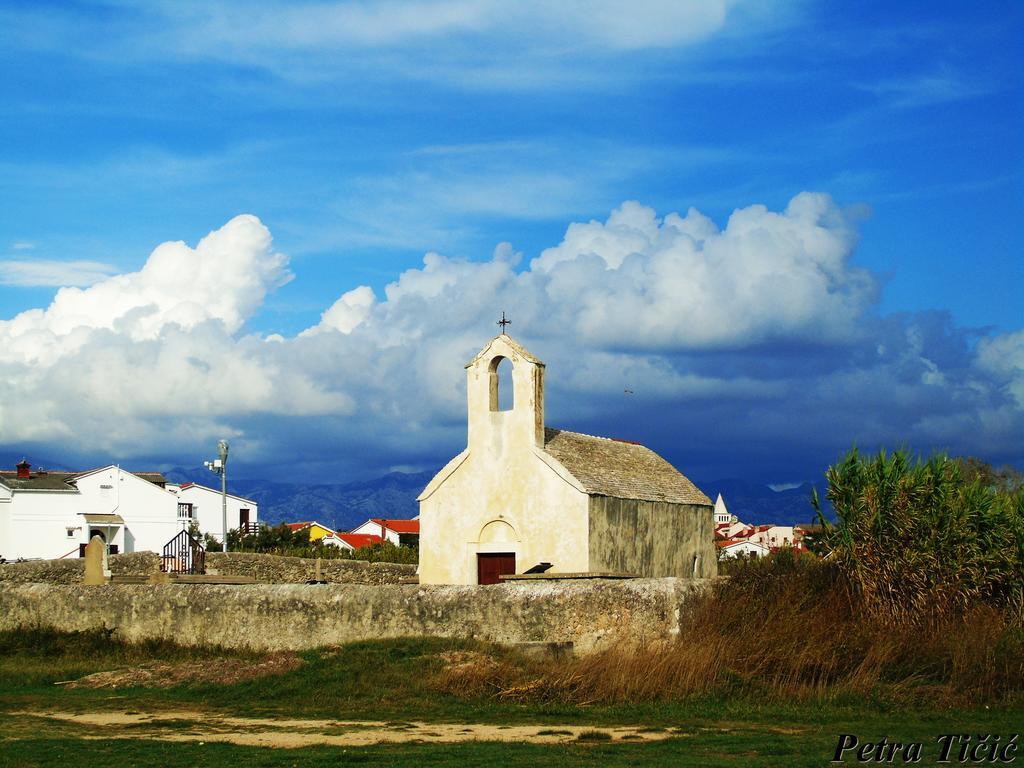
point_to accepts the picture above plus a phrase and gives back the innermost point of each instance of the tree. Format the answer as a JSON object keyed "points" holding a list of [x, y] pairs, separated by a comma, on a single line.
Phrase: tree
{"points": [[1004, 478]]}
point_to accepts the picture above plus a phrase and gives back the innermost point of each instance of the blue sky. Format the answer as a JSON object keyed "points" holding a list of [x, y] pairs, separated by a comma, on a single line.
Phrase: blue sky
{"points": [[366, 135]]}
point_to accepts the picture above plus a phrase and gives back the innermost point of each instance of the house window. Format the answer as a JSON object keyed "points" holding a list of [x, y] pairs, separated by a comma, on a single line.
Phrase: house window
{"points": [[71, 532], [184, 510]]}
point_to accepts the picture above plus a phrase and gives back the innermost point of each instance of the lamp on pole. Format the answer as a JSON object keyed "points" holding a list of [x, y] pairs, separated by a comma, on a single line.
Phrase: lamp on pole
{"points": [[220, 466]]}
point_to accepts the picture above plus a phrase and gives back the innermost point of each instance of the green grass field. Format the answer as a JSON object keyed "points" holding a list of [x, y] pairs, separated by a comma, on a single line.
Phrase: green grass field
{"points": [[393, 683]]}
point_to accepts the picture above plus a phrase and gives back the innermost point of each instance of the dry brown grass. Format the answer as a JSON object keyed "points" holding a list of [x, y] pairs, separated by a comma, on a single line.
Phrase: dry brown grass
{"points": [[475, 674], [788, 631]]}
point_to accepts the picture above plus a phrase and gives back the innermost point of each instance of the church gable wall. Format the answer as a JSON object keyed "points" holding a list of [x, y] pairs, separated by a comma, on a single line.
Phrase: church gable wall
{"points": [[651, 538], [501, 502]]}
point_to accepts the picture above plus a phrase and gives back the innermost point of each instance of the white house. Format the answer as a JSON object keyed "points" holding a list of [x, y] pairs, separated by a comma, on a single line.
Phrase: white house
{"points": [[204, 506], [733, 530], [742, 548], [389, 530], [774, 536], [53, 514]]}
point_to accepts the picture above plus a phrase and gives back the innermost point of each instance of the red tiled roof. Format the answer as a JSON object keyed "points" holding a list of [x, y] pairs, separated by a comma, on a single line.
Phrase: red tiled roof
{"points": [[731, 542], [358, 540], [400, 526]]}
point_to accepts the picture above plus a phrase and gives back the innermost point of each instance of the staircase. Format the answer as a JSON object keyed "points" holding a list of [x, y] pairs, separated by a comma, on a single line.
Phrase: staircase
{"points": [[183, 555]]}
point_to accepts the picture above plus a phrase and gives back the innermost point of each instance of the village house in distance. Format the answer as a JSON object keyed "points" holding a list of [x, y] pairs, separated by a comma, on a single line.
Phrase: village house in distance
{"points": [[53, 515], [522, 496], [736, 539]]}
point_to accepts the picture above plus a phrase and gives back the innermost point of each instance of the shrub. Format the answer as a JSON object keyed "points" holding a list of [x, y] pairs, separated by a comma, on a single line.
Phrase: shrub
{"points": [[921, 538], [281, 540]]}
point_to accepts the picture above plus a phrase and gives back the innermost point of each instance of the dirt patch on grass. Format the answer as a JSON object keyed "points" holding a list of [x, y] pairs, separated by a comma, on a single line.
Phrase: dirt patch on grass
{"points": [[266, 732], [472, 662], [222, 671]]}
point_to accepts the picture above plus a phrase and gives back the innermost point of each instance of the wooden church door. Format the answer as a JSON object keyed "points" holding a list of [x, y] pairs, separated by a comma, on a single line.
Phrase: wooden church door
{"points": [[491, 565]]}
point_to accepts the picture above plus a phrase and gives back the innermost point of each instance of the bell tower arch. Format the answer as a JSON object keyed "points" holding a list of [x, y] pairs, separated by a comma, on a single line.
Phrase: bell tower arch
{"points": [[497, 418]]}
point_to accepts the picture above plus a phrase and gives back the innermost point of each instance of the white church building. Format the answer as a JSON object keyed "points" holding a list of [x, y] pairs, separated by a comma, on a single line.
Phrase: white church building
{"points": [[522, 495]]}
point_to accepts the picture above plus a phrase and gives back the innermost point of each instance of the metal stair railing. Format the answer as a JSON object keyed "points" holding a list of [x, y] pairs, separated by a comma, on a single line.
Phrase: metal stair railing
{"points": [[183, 554]]}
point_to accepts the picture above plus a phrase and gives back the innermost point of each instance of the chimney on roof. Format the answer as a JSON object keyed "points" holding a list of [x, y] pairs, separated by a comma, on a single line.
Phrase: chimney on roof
{"points": [[24, 469]]}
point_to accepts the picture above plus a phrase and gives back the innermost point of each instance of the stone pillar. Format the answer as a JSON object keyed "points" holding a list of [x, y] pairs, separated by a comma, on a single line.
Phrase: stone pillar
{"points": [[96, 562]]}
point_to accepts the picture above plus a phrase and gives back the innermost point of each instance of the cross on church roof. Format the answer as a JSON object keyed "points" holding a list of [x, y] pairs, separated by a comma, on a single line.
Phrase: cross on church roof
{"points": [[503, 322]]}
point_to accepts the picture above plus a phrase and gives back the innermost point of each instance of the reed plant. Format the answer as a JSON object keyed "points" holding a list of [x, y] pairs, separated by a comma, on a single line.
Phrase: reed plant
{"points": [[920, 538]]}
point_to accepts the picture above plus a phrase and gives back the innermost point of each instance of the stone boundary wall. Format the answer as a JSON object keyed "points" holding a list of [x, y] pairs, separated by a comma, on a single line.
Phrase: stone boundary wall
{"points": [[271, 569], [266, 569], [589, 614], [71, 570]]}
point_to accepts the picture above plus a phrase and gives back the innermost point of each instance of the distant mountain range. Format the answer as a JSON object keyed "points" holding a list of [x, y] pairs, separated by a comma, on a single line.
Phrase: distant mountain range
{"points": [[757, 504], [344, 506], [338, 506]]}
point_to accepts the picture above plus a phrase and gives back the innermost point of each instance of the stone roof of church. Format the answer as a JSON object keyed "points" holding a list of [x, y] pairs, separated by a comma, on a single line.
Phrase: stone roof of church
{"points": [[607, 467]]}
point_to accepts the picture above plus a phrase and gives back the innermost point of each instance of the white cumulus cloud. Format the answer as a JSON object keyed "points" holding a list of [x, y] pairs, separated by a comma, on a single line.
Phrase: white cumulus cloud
{"points": [[224, 278], [347, 312], [154, 357], [680, 281], [1003, 358], [754, 343]]}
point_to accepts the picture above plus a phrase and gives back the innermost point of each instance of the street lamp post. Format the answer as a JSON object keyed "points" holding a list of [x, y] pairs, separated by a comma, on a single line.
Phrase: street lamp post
{"points": [[220, 467]]}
